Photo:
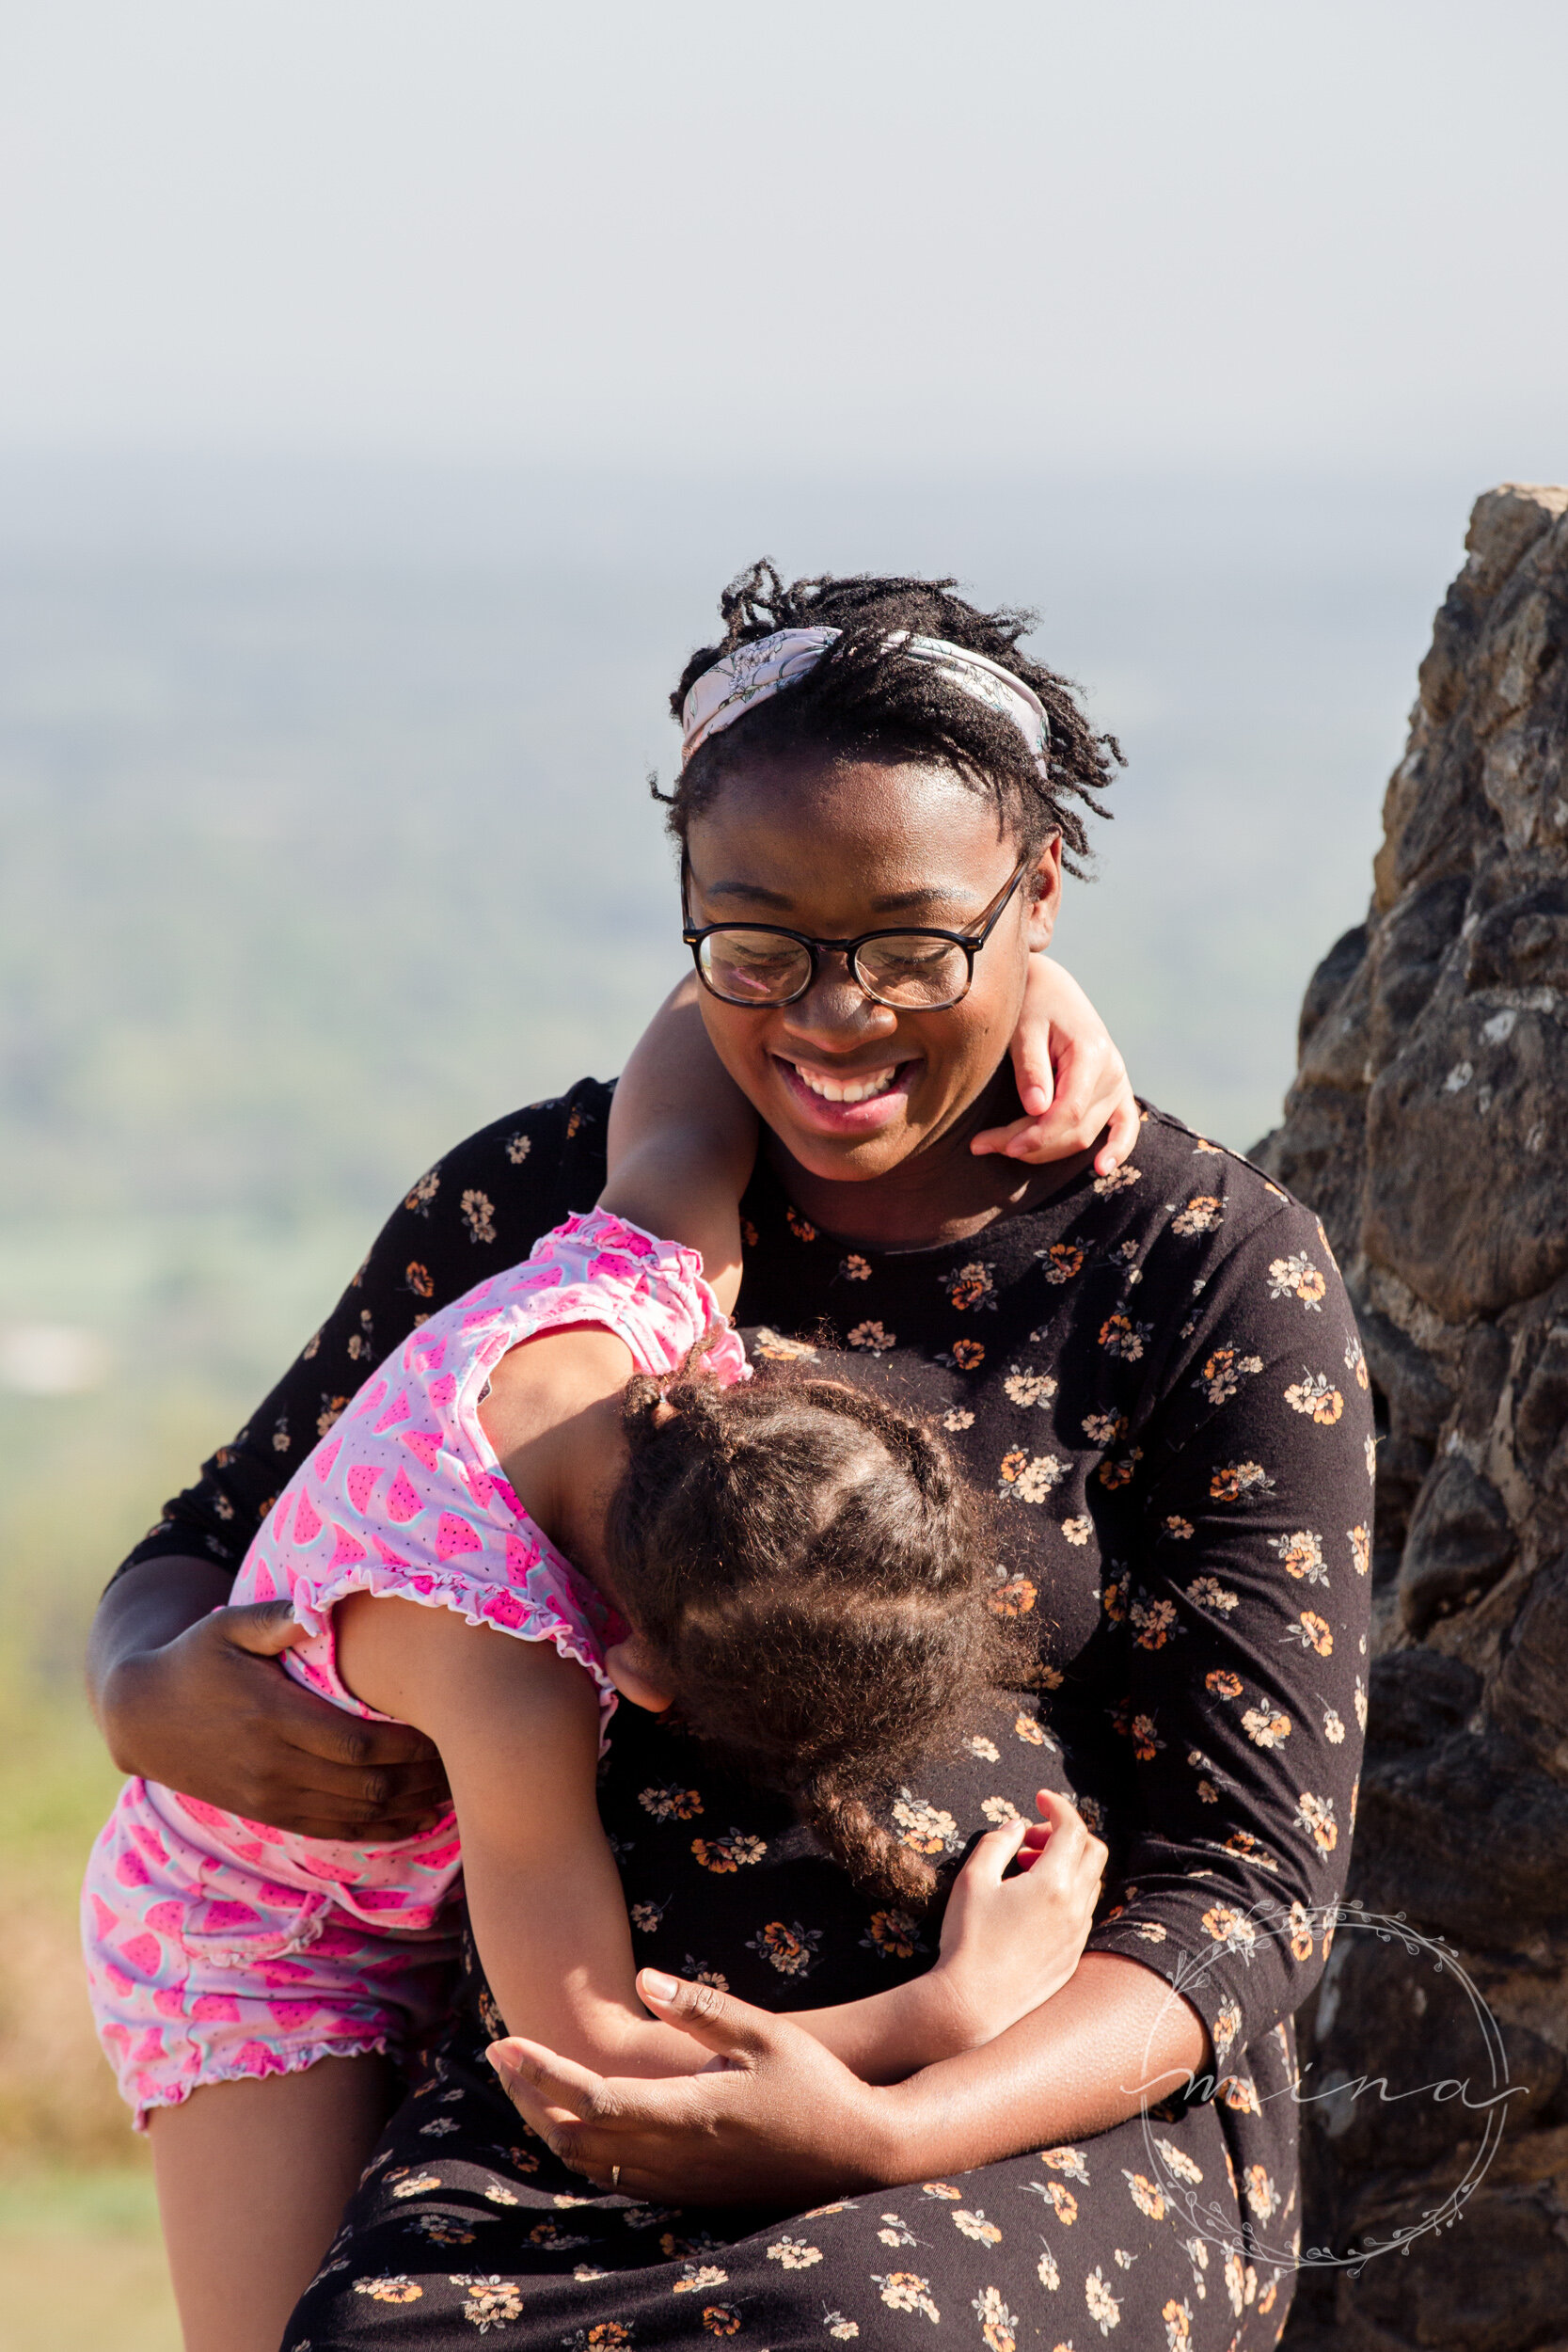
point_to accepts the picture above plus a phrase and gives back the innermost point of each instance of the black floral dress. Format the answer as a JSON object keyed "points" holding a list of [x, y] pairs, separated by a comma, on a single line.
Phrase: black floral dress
{"points": [[1159, 1374]]}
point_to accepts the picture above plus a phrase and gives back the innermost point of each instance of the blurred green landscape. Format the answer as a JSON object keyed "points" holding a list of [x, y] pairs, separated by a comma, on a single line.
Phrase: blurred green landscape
{"points": [[325, 839]]}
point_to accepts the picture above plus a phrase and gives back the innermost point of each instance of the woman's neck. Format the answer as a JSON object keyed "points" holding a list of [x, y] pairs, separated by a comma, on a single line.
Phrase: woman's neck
{"points": [[942, 1194]]}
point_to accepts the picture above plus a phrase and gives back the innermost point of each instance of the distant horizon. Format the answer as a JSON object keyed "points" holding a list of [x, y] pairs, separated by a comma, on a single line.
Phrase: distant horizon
{"points": [[252, 504], [251, 717]]}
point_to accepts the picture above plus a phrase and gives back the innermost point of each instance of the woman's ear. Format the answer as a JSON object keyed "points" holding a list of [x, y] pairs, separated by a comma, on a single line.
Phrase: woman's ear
{"points": [[1045, 896], [627, 1665]]}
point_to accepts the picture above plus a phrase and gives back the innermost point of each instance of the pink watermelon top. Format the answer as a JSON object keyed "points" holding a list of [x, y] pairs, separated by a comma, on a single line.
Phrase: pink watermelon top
{"points": [[404, 1497]]}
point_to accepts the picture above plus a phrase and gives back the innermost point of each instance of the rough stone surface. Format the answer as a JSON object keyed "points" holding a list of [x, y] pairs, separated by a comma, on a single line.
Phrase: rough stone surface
{"points": [[1427, 1125]]}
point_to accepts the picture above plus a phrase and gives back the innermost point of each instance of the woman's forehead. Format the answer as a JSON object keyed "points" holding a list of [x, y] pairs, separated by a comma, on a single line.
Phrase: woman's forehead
{"points": [[895, 842]]}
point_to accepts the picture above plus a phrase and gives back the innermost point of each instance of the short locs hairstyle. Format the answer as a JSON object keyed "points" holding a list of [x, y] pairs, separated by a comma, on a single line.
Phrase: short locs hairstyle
{"points": [[814, 1576], [861, 700]]}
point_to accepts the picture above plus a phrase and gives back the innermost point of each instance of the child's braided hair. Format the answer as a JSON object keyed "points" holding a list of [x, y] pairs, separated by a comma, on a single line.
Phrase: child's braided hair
{"points": [[813, 1575], [864, 700]]}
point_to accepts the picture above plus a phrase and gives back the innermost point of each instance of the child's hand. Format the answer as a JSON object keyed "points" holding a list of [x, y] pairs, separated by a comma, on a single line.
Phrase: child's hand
{"points": [[1010, 1944], [1072, 1081]]}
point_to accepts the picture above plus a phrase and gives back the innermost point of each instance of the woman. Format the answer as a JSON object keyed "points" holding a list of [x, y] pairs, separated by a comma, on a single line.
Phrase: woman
{"points": [[1159, 1371]]}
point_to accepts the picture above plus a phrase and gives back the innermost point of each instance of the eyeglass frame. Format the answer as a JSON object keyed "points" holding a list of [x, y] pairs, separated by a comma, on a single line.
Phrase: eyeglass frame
{"points": [[849, 949]]}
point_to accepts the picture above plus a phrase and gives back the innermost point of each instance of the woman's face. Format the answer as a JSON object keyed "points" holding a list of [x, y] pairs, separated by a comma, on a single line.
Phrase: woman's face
{"points": [[836, 849]]}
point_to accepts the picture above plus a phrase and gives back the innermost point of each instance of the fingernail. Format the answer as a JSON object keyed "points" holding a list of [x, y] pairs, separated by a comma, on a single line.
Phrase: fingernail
{"points": [[503, 2066], [657, 1986]]}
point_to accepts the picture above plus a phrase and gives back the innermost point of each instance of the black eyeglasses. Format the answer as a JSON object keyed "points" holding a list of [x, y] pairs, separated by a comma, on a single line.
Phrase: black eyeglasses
{"points": [[763, 964]]}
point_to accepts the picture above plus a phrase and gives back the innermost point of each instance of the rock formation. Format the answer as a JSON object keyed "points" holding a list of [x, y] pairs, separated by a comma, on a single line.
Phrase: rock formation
{"points": [[1428, 1125]]}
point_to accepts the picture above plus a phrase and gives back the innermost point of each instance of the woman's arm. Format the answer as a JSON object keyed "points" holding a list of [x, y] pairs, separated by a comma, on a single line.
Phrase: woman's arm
{"points": [[786, 2122]]}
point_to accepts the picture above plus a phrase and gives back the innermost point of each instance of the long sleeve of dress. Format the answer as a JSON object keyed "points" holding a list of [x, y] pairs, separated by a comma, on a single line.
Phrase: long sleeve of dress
{"points": [[480, 1208], [1243, 1618]]}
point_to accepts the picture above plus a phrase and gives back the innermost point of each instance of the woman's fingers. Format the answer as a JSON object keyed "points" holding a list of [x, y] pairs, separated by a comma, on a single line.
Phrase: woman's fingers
{"points": [[596, 2124], [731, 2028], [264, 1627], [214, 1713], [593, 2123], [554, 2080], [564, 2103]]}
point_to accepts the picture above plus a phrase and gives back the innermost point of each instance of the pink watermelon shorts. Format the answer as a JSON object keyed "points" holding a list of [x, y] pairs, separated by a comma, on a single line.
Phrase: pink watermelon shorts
{"points": [[226, 1975]]}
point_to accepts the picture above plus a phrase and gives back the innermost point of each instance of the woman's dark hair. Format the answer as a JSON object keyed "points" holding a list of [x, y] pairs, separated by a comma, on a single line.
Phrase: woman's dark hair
{"points": [[864, 699], [812, 1576]]}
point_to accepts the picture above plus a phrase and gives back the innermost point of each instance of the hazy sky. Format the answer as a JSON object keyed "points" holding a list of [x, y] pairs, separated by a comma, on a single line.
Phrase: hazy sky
{"points": [[1165, 233]]}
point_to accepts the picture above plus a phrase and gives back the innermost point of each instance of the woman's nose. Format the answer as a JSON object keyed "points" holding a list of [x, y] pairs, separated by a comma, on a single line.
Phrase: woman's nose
{"points": [[836, 1010]]}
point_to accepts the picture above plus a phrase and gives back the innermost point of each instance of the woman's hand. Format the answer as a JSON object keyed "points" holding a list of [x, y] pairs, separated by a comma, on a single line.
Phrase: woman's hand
{"points": [[786, 2122], [1009, 1943], [1070, 1079], [782, 2122], [193, 1694]]}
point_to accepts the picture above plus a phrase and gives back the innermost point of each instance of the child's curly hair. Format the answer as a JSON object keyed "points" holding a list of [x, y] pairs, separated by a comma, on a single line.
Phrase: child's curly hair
{"points": [[813, 1575]]}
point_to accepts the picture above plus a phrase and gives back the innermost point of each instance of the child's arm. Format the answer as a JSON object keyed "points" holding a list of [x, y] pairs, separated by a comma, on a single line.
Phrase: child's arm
{"points": [[682, 1140], [1072, 1081], [518, 1727], [1006, 1945]]}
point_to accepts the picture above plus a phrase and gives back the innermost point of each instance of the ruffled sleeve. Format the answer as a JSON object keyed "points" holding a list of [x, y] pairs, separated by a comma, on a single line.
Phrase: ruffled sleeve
{"points": [[602, 1269], [537, 1597]]}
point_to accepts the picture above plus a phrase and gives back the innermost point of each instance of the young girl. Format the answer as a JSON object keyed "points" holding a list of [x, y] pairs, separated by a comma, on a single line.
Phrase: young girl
{"points": [[572, 1455]]}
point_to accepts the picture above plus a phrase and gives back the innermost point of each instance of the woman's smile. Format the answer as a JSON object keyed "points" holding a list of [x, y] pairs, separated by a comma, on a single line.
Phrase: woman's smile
{"points": [[844, 1100]]}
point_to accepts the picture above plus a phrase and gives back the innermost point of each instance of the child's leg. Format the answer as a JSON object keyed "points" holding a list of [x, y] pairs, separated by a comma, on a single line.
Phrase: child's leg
{"points": [[252, 2180]]}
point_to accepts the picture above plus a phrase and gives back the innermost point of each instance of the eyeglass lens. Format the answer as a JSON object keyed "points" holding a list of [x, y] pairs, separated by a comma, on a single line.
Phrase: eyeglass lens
{"points": [[761, 968]]}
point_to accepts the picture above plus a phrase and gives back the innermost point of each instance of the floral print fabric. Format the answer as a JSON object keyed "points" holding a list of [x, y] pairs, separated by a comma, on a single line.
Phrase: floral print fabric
{"points": [[1158, 1374], [218, 1947], [465, 2221], [1074, 2244]]}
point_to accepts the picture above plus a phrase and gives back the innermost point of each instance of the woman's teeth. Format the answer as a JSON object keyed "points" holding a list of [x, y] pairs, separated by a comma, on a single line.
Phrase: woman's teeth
{"points": [[847, 1090]]}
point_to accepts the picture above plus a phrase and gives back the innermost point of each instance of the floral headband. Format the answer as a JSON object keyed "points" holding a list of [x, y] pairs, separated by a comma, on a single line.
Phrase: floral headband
{"points": [[756, 671]]}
